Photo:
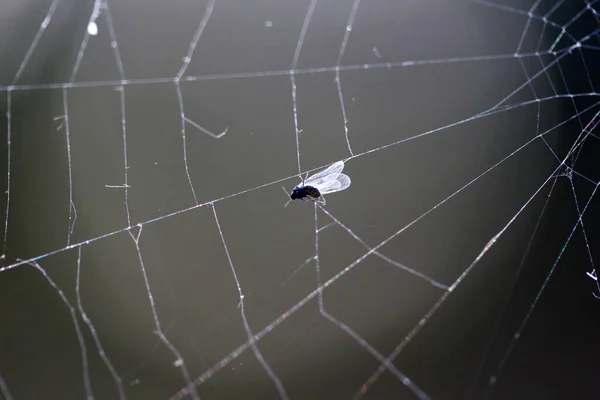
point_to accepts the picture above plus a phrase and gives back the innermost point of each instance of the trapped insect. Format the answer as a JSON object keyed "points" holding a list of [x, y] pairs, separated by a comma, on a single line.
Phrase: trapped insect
{"points": [[327, 181]]}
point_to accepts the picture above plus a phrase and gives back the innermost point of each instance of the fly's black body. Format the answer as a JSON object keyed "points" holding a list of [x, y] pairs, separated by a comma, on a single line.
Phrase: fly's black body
{"points": [[305, 193], [313, 188]]}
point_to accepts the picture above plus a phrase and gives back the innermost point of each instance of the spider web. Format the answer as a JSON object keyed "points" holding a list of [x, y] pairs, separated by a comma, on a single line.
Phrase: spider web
{"points": [[146, 249]]}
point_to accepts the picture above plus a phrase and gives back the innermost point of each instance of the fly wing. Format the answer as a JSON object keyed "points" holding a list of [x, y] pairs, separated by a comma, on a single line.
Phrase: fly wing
{"points": [[341, 182], [321, 178]]}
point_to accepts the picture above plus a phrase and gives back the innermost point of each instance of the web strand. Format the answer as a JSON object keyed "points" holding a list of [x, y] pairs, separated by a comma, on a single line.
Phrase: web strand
{"points": [[186, 62], [8, 153], [349, 331], [411, 271], [84, 358], [121, 92], [192, 47], [338, 81], [255, 350], [179, 361], [292, 72], [503, 312], [183, 139], [36, 40], [86, 37], [443, 298], [238, 351], [4, 389], [371, 151], [299, 71], [92, 329], [527, 24], [72, 209], [493, 379], [234, 354], [113, 40]]}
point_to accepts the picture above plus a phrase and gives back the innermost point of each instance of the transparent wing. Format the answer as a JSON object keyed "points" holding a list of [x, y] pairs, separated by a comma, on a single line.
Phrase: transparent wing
{"points": [[340, 182], [321, 178]]}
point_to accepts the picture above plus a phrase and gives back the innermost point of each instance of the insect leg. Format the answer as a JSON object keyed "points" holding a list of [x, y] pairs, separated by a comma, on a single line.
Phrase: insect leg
{"points": [[303, 178], [287, 194]]}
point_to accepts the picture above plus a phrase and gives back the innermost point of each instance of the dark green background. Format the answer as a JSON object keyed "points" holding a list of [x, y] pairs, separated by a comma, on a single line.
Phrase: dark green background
{"points": [[243, 83]]}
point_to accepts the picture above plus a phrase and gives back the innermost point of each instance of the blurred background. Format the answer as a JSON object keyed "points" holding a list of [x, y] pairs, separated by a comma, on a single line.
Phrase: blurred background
{"points": [[145, 250]]}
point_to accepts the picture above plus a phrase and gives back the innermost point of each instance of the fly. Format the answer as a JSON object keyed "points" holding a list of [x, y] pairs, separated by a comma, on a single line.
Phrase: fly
{"points": [[327, 181]]}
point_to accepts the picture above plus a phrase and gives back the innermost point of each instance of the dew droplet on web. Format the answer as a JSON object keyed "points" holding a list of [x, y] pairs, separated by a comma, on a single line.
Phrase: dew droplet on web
{"points": [[92, 29]]}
